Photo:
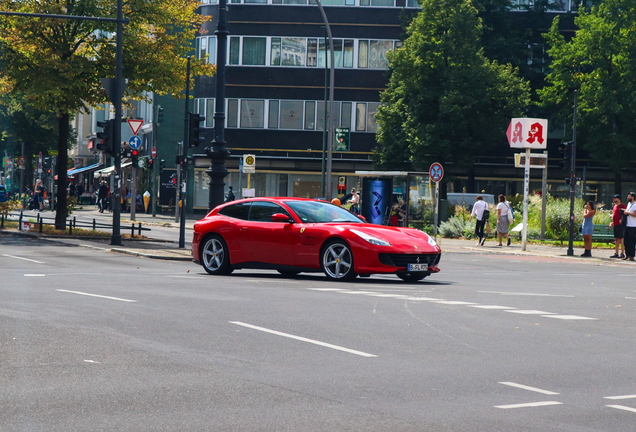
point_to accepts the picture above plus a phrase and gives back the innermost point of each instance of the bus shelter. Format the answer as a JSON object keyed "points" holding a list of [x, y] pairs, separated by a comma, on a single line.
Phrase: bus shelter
{"points": [[382, 191]]}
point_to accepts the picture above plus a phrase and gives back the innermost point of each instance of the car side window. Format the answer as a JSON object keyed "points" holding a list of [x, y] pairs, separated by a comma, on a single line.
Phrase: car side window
{"points": [[237, 211], [262, 211]]}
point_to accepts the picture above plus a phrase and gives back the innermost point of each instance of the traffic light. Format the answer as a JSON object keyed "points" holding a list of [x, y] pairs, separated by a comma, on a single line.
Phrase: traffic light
{"points": [[106, 136], [162, 165], [173, 180], [150, 162], [134, 155], [159, 114], [566, 153], [195, 130]]}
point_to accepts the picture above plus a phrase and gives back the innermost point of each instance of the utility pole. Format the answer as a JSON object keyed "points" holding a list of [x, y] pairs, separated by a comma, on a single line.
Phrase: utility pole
{"points": [[184, 158], [115, 238], [572, 179]]}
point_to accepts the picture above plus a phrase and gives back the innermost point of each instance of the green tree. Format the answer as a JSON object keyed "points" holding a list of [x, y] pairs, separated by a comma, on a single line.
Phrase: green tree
{"points": [[57, 63], [445, 101], [599, 61]]}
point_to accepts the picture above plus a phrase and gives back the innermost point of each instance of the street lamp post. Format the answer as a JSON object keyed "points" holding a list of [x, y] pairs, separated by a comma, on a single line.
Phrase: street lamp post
{"points": [[217, 151]]}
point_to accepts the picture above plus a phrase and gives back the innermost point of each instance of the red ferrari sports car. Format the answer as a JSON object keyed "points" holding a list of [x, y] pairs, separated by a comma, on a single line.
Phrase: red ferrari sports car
{"points": [[294, 235]]}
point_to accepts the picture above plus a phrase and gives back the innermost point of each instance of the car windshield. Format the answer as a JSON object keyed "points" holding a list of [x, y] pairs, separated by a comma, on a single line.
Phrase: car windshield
{"points": [[321, 212]]}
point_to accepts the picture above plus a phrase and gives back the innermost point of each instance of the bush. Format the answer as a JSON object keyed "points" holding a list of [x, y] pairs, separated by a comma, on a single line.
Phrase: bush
{"points": [[456, 227]]}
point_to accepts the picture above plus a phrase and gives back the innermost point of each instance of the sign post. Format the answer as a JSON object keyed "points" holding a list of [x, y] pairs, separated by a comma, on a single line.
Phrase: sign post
{"points": [[249, 167], [436, 173], [527, 133]]}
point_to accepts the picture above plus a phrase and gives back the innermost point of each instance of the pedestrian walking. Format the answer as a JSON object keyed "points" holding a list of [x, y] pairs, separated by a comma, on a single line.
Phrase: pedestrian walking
{"points": [[230, 195], [503, 210], [588, 227], [354, 200], [619, 229], [630, 227], [39, 193], [481, 213], [102, 193]]}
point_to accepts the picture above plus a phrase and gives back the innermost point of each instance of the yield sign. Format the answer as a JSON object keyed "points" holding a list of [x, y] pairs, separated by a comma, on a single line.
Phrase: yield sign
{"points": [[135, 125]]}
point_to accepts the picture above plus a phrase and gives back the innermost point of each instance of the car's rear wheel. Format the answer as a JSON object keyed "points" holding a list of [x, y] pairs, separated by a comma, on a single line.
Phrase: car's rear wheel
{"points": [[412, 277], [215, 256], [336, 261]]}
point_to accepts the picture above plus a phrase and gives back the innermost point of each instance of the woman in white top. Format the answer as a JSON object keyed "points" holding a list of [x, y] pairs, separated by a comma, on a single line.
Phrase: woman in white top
{"points": [[502, 219], [478, 211], [354, 200]]}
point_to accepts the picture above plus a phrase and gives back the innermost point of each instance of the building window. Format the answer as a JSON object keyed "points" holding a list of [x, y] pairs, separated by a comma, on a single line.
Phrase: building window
{"points": [[312, 54], [232, 113], [235, 46], [206, 49], [363, 54], [361, 117], [254, 49], [275, 52], [346, 115], [291, 114], [377, 54], [293, 51], [273, 114], [252, 113], [310, 115], [372, 109]]}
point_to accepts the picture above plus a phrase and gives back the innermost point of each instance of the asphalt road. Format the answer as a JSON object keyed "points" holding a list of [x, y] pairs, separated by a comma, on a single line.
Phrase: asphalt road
{"points": [[96, 341]]}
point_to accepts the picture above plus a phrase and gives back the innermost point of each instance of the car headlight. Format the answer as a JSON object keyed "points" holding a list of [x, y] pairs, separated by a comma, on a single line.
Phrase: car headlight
{"points": [[431, 241], [370, 238]]}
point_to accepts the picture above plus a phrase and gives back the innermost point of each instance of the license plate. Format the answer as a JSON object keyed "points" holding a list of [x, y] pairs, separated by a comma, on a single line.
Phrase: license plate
{"points": [[417, 267]]}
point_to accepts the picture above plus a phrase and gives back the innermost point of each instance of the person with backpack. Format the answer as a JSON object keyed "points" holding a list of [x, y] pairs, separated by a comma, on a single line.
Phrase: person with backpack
{"points": [[504, 218], [480, 211]]}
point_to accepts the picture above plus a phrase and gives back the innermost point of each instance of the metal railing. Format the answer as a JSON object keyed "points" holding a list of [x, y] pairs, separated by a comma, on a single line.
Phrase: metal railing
{"points": [[72, 223]]}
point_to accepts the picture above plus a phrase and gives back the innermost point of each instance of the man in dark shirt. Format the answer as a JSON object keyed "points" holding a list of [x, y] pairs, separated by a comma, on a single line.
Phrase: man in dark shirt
{"points": [[617, 215], [230, 195], [102, 193]]}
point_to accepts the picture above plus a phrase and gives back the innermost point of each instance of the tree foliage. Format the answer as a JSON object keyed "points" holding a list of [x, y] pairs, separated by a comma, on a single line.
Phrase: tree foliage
{"points": [[57, 63], [445, 101], [600, 61]]}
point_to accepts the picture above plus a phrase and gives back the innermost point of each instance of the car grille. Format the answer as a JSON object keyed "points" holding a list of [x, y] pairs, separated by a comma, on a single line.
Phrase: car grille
{"points": [[401, 260]]}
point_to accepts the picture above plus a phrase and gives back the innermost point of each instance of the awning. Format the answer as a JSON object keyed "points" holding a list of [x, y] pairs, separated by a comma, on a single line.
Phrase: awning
{"points": [[106, 172], [82, 169]]}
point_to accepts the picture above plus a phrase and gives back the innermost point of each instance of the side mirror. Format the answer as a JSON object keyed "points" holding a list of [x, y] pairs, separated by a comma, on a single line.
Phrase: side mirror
{"points": [[279, 217], [362, 217]]}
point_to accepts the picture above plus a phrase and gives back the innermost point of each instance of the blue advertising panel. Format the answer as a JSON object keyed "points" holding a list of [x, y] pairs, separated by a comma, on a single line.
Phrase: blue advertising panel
{"points": [[376, 199]]}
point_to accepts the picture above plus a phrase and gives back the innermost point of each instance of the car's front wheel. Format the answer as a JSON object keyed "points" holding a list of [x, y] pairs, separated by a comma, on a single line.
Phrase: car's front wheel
{"points": [[412, 277], [336, 261], [215, 256]]}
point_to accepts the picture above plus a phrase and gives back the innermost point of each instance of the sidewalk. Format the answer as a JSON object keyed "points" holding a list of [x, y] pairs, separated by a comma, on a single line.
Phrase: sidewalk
{"points": [[532, 250], [91, 211]]}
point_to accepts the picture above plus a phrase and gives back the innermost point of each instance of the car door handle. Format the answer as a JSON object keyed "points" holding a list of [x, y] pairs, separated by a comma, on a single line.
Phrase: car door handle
{"points": [[243, 228]]}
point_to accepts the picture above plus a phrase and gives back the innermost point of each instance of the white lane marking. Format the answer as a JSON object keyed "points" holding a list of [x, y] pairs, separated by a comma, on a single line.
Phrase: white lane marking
{"points": [[34, 275], [531, 404], [354, 292], [302, 339], [621, 407], [630, 298], [453, 302], [187, 277], [530, 312], [398, 296], [95, 295], [25, 259], [525, 387], [422, 298], [620, 397], [569, 274], [326, 289], [569, 317], [91, 361], [524, 294], [491, 307]]}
